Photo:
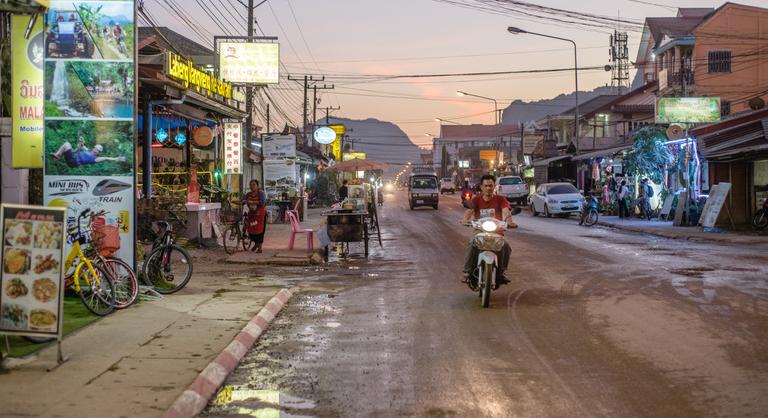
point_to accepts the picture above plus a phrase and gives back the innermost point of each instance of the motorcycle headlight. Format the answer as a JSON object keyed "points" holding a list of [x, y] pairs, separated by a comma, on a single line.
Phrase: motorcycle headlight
{"points": [[488, 226]]}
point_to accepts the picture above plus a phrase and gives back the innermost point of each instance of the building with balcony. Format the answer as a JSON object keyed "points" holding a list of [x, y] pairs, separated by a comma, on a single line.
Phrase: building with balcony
{"points": [[704, 52]]}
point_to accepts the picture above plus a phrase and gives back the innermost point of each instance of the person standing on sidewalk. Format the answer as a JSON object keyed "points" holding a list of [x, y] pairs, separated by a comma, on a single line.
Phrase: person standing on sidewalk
{"points": [[622, 194], [256, 220], [343, 191]]}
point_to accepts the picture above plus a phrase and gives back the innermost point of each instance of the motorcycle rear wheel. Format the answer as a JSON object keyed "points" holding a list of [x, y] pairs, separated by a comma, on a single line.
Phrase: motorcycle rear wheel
{"points": [[486, 278], [760, 221]]}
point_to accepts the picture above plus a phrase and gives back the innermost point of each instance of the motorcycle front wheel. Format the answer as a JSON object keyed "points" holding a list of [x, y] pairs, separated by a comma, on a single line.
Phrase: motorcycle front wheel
{"points": [[486, 278], [590, 218]]}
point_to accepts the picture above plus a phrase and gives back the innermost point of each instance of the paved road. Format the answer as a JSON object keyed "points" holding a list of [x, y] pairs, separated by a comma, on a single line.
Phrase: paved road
{"points": [[595, 323]]}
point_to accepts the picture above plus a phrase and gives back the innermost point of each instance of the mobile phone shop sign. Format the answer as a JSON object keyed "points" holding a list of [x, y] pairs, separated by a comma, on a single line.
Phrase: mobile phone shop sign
{"points": [[31, 287]]}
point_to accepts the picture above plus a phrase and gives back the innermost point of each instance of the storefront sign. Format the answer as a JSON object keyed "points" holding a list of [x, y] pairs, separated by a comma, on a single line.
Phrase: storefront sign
{"points": [[279, 146], [89, 88], [250, 62], [687, 109], [233, 148], [31, 288], [27, 93], [487, 155], [185, 71], [202, 136], [354, 155], [279, 177], [324, 135], [717, 195]]}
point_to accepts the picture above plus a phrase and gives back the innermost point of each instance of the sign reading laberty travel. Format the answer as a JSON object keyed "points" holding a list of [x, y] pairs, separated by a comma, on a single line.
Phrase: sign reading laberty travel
{"points": [[184, 70]]}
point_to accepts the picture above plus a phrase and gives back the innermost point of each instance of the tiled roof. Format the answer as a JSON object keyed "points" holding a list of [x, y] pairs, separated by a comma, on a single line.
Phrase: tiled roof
{"points": [[180, 42]]}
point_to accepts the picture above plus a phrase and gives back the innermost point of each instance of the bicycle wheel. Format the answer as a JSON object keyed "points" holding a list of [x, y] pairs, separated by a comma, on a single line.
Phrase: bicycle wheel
{"points": [[124, 279], [97, 292], [167, 269], [231, 239]]}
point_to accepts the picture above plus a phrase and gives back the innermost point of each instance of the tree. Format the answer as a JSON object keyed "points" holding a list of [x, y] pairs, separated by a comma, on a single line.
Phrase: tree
{"points": [[650, 155]]}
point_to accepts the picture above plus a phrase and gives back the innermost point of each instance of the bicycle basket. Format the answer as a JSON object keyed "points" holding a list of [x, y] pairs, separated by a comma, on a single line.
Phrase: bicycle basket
{"points": [[106, 239]]}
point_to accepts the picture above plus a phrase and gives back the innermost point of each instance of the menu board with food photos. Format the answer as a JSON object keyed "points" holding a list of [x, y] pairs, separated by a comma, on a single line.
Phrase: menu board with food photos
{"points": [[31, 286]]}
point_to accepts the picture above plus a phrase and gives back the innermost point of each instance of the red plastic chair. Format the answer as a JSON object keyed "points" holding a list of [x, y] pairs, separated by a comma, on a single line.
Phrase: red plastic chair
{"points": [[296, 229]]}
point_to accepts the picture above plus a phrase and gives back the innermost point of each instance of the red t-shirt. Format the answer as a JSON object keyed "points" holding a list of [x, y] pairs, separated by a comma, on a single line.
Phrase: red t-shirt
{"points": [[490, 208]]}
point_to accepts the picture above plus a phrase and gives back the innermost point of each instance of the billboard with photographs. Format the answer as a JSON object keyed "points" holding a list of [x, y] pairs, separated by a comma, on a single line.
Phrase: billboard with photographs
{"points": [[89, 128], [279, 146]]}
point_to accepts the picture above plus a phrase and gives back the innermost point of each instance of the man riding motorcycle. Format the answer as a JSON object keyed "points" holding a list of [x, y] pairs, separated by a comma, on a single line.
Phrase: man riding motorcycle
{"points": [[488, 204]]}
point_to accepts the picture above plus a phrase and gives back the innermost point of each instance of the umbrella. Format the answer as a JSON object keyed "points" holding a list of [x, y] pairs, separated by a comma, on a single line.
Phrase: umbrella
{"points": [[357, 164]]}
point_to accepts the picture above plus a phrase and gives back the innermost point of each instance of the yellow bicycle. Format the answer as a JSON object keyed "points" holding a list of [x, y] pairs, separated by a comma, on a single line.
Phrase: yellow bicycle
{"points": [[90, 281]]}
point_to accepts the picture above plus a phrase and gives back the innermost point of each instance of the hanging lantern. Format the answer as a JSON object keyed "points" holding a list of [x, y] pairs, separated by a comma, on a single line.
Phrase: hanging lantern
{"points": [[161, 135], [180, 138]]}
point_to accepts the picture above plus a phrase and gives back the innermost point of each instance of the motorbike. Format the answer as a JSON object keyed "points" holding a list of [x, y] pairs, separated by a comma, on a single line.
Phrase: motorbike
{"points": [[589, 211], [760, 220], [466, 196], [489, 242]]}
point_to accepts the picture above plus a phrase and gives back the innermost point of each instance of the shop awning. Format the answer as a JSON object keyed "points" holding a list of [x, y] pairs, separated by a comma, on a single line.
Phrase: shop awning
{"points": [[608, 152], [212, 105], [546, 162], [749, 137]]}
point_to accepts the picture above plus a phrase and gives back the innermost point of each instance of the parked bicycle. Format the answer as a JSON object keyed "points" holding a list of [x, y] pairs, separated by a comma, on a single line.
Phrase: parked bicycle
{"points": [[168, 267], [235, 236], [105, 241], [88, 279]]}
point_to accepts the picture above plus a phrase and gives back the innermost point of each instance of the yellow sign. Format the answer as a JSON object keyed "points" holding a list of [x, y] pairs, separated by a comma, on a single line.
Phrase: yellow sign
{"points": [[487, 154], [250, 62], [352, 155], [335, 146], [125, 221], [27, 93], [185, 71]]}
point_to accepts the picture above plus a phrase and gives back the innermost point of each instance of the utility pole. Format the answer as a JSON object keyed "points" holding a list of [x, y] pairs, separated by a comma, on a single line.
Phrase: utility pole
{"points": [[268, 130], [315, 88], [328, 110], [306, 80]]}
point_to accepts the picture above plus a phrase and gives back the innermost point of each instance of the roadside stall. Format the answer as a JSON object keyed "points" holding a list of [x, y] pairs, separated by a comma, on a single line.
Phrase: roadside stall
{"points": [[356, 218]]}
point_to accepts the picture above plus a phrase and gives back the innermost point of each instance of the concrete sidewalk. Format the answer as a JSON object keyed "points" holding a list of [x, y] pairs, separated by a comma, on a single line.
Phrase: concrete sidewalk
{"points": [[136, 362], [276, 241], [691, 233]]}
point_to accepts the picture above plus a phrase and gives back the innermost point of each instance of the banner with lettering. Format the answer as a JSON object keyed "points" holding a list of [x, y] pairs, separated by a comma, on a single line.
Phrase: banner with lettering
{"points": [[233, 147], [27, 93], [90, 82]]}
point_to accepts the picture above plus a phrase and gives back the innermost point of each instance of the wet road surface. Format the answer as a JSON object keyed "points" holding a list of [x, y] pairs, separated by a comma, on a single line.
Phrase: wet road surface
{"points": [[595, 323]]}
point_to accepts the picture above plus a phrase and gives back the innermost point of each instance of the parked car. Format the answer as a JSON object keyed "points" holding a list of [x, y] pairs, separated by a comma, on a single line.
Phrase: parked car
{"points": [[447, 186], [514, 189], [423, 190], [556, 199]]}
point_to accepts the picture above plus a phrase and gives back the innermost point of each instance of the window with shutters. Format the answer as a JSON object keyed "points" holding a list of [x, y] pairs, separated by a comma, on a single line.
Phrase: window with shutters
{"points": [[725, 108], [719, 61]]}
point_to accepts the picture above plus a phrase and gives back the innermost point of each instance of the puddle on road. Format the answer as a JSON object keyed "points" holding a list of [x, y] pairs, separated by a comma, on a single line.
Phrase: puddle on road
{"points": [[260, 403]]}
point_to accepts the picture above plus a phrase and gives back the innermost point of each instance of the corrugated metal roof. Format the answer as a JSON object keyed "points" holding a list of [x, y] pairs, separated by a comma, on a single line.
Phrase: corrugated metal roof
{"points": [[546, 162]]}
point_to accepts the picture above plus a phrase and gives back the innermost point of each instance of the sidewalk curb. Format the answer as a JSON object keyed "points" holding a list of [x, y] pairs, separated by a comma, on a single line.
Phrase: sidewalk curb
{"points": [[195, 398], [694, 238]]}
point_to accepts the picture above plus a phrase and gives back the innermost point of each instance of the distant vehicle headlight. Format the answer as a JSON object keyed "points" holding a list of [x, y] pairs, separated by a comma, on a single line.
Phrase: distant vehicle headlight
{"points": [[488, 226]]}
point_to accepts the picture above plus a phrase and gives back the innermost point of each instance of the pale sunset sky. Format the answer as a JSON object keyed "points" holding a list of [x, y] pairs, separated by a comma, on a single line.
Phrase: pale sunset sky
{"points": [[340, 38]]}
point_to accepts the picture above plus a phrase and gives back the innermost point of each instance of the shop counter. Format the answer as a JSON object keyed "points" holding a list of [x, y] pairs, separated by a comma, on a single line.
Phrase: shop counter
{"points": [[201, 218]]}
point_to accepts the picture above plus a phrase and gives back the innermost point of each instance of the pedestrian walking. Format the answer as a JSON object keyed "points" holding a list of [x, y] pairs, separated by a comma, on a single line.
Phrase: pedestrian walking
{"points": [[256, 220], [623, 194]]}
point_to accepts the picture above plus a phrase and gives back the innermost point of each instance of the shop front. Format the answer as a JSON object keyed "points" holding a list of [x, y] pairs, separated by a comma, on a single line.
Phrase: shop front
{"points": [[190, 150], [737, 152]]}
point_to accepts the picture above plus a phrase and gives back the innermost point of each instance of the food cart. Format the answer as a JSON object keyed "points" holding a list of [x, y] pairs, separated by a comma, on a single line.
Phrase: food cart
{"points": [[345, 226]]}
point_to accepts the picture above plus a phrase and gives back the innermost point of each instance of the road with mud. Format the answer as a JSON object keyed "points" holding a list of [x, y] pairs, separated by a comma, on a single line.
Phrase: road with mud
{"points": [[596, 322]]}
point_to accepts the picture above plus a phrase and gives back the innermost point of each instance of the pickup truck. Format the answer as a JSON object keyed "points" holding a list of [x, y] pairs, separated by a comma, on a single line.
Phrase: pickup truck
{"points": [[514, 189], [447, 186]]}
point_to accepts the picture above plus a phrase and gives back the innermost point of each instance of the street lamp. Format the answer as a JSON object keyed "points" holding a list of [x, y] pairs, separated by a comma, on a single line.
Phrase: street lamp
{"points": [[495, 104], [446, 121], [516, 31]]}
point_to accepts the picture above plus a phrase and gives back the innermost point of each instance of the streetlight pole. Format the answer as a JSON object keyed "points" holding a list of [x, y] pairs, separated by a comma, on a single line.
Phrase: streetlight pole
{"points": [[496, 118], [515, 31]]}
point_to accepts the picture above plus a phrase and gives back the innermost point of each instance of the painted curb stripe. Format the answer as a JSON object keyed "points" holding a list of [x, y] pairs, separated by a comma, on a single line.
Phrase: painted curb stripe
{"points": [[195, 398]]}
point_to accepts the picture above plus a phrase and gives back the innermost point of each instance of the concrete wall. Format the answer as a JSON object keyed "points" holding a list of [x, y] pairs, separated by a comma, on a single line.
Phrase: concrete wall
{"points": [[741, 30]]}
